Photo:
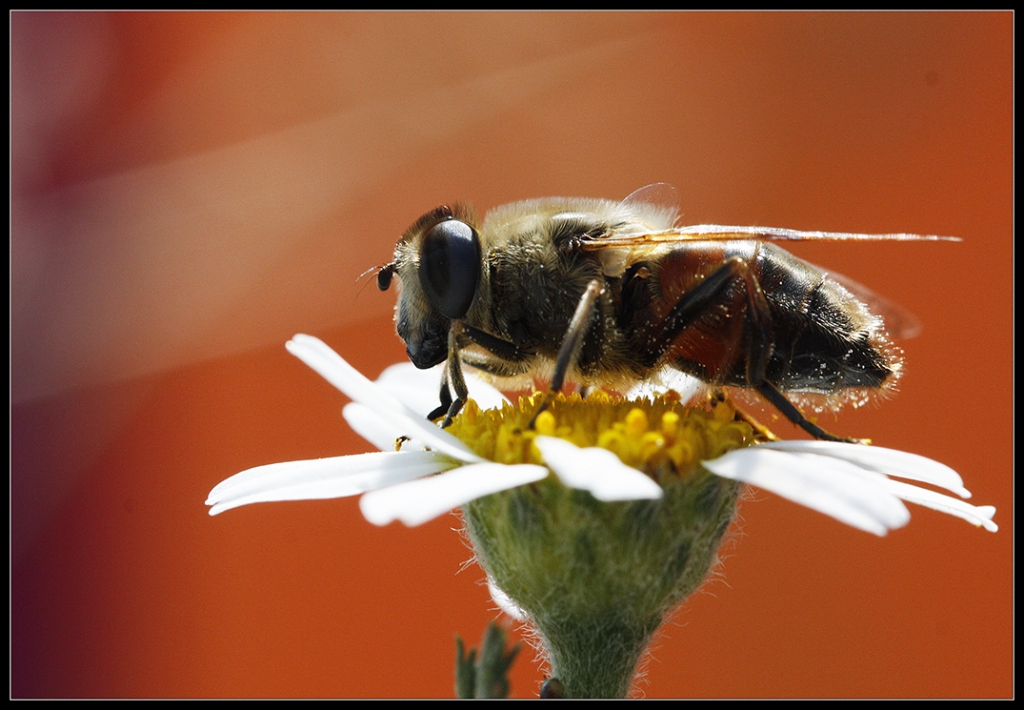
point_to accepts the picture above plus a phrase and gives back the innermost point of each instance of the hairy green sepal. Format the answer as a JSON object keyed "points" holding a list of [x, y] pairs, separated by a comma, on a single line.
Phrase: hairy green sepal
{"points": [[597, 579]]}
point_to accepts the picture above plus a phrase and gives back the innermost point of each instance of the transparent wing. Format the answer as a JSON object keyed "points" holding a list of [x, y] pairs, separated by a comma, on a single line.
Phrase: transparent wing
{"points": [[661, 201], [724, 233], [657, 204], [900, 322]]}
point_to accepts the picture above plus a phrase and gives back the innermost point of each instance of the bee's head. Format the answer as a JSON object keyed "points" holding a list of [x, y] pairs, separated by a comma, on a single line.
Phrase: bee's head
{"points": [[438, 261]]}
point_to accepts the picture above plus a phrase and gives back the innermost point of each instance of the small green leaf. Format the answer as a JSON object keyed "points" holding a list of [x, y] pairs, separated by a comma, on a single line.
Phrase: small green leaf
{"points": [[486, 678]]}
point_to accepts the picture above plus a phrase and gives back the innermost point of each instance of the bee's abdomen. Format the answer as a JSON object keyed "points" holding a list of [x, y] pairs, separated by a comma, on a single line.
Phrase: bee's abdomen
{"points": [[811, 333], [824, 339]]}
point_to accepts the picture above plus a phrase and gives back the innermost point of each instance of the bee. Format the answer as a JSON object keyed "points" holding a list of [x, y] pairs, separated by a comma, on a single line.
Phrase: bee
{"points": [[613, 294]]}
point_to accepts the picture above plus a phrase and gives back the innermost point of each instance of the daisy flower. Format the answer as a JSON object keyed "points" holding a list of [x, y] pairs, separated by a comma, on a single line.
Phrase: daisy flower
{"points": [[435, 472], [601, 518]]}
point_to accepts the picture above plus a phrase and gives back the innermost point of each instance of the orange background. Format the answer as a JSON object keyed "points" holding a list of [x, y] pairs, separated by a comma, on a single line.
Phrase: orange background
{"points": [[191, 189]]}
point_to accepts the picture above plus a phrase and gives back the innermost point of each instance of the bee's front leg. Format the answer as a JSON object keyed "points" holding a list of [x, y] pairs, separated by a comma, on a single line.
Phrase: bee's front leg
{"points": [[452, 374], [446, 398], [460, 334]]}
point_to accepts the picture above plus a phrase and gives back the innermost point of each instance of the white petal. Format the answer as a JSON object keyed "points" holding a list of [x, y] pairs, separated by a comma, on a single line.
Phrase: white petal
{"points": [[831, 486], [419, 389], [416, 502], [596, 470], [888, 461], [323, 478], [329, 365], [974, 514], [668, 379], [505, 602], [483, 393], [382, 433]]}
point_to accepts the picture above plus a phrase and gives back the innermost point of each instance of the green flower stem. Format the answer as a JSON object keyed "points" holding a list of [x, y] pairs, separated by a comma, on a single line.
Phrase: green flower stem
{"points": [[597, 578], [596, 657]]}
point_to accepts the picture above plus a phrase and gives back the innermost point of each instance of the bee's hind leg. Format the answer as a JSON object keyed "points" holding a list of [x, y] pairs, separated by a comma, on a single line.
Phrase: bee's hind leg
{"points": [[779, 401], [717, 397], [714, 291], [571, 344]]}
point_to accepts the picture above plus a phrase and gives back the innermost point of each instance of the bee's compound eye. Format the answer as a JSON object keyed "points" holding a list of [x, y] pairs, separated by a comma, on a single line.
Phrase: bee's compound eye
{"points": [[450, 266]]}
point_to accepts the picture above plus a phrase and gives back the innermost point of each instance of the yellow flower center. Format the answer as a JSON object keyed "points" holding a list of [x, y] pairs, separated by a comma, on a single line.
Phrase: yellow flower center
{"points": [[660, 436]]}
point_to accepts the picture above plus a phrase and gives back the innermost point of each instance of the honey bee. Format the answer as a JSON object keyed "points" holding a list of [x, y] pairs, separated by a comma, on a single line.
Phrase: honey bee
{"points": [[612, 294]]}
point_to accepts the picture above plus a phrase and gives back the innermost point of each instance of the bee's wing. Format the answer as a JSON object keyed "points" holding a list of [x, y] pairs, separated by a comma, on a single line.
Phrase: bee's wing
{"points": [[900, 322], [724, 233], [656, 205]]}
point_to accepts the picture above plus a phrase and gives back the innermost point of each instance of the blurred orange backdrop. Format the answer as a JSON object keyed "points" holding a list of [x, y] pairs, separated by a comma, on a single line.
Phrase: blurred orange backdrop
{"points": [[191, 189]]}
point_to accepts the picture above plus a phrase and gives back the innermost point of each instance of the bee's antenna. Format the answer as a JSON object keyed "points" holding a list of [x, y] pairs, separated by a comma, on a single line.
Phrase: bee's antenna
{"points": [[385, 275]]}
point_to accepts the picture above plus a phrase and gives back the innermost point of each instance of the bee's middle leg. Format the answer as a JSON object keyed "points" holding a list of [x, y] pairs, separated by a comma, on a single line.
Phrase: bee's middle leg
{"points": [[571, 344]]}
